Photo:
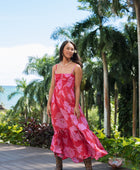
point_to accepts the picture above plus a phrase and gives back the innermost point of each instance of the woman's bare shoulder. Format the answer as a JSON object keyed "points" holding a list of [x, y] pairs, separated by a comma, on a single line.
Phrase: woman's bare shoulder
{"points": [[78, 67], [78, 70], [54, 67]]}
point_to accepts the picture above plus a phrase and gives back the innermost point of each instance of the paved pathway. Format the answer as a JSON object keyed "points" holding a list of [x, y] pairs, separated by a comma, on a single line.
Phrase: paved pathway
{"points": [[13, 157]]}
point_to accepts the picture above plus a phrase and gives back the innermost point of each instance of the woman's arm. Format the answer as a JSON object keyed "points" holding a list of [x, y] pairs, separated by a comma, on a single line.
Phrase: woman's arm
{"points": [[51, 91], [78, 78]]}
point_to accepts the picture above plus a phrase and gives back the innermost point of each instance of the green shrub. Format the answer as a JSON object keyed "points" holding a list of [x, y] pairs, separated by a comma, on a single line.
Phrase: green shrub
{"points": [[28, 133], [126, 148], [11, 134]]}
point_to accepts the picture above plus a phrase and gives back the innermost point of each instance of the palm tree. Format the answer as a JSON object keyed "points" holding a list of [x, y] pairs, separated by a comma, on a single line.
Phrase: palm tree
{"points": [[22, 103], [123, 69], [92, 39], [130, 33], [135, 4], [96, 40], [38, 90], [93, 72]]}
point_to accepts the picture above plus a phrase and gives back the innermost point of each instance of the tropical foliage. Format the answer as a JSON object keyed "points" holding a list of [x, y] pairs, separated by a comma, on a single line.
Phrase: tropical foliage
{"points": [[110, 71], [33, 100], [120, 147], [32, 133], [11, 134]]}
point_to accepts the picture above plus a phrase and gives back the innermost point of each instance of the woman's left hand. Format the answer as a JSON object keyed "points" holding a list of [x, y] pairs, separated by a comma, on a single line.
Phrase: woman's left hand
{"points": [[77, 111]]}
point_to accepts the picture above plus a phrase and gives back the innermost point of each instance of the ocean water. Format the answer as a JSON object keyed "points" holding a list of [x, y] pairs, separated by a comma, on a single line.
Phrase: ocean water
{"points": [[4, 97]]}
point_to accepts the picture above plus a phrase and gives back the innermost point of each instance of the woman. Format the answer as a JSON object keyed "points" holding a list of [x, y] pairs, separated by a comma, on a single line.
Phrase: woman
{"points": [[72, 136]]}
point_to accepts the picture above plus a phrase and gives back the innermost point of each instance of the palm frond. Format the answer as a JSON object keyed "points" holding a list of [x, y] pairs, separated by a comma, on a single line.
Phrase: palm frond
{"points": [[10, 96], [62, 33], [83, 26]]}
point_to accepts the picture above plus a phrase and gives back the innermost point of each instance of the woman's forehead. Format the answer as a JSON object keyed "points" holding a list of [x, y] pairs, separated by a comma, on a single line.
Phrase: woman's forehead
{"points": [[69, 45]]}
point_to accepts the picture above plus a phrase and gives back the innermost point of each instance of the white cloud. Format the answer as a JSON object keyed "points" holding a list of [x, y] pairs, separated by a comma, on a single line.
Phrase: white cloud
{"points": [[13, 61]]}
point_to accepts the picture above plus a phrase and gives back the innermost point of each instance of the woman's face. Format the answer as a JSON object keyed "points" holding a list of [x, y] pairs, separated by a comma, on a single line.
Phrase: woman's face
{"points": [[68, 50]]}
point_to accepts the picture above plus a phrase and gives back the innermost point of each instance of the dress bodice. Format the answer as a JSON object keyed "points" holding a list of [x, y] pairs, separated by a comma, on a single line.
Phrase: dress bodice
{"points": [[64, 81]]}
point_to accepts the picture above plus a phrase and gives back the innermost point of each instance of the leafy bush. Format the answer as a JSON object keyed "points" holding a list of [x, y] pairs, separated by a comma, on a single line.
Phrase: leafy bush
{"points": [[11, 118], [11, 134], [36, 134], [126, 148]]}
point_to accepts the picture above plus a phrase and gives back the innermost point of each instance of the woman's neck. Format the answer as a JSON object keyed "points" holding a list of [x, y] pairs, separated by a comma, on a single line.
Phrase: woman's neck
{"points": [[65, 61]]}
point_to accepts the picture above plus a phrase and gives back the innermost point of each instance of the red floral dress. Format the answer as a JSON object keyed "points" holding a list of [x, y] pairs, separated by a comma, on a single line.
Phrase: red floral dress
{"points": [[72, 136]]}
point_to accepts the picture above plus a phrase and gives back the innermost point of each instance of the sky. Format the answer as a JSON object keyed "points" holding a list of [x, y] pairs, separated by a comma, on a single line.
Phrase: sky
{"points": [[25, 30]]}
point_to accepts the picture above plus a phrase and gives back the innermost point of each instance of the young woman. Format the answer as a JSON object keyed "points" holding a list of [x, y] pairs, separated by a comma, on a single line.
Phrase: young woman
{"points": [[72, 136]]}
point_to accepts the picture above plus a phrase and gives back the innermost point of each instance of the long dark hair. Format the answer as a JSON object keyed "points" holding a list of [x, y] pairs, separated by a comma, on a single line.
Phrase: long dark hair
{"points": [[75, 58]]}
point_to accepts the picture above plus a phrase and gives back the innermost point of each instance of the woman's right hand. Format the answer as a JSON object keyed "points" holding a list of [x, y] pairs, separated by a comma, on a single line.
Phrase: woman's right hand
{"points": [[49, 110]]}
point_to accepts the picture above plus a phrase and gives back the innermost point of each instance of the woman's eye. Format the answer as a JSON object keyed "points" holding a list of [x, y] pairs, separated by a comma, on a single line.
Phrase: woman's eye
{"points": [[69, 49]]}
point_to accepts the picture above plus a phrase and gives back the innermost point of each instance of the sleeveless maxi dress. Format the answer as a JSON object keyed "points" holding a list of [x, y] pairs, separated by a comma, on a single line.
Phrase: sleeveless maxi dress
{"points": [[72, 137]]}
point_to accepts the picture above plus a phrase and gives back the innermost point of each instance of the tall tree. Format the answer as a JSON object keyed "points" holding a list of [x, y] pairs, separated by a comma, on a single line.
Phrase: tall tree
{"points": [[91, 36], [135, 4], [22, 103], [137, 8], [131, 38], [37, 90], [93, 72], [124, 71], [100, 12]]}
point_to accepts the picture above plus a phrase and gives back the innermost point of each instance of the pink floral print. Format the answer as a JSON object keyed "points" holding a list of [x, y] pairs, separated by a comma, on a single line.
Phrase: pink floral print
{"points": [[72, 137]]}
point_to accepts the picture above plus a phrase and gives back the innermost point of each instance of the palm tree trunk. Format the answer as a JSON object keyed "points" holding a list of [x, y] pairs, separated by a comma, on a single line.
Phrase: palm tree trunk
{"points": [[25, 115], [106, 97], [45, 115], [134, 107], [137, 8], [116, 104], [26, 111], [98, 101], [41, 113]]}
